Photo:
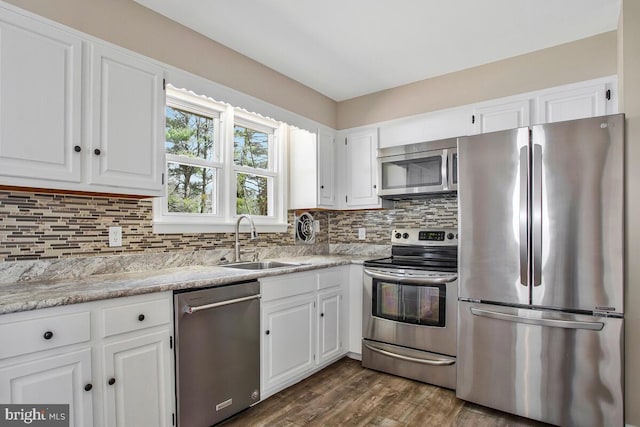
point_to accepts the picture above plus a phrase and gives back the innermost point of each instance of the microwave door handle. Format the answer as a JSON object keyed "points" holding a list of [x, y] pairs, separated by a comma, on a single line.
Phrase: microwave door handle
{"points": [[445, 169]]}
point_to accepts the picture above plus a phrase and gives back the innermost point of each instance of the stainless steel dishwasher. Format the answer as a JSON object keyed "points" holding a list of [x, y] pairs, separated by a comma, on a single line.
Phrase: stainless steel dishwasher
{"points": [[217, 352]]}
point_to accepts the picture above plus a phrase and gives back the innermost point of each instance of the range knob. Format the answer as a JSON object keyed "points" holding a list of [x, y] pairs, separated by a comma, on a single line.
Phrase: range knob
{"points": [[405, 236], [398, 235], [450, 236]]}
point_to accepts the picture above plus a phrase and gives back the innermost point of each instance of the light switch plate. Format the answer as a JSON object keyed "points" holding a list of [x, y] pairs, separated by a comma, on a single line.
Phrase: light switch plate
{"points": [[115, 236]]}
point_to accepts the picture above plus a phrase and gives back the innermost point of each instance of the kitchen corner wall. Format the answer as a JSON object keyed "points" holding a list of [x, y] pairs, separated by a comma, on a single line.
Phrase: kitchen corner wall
{"points": [[39, 226]]}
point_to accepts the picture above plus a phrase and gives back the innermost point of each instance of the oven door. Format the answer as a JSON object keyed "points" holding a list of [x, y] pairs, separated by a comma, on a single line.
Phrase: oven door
{"points": [[410, 310]]}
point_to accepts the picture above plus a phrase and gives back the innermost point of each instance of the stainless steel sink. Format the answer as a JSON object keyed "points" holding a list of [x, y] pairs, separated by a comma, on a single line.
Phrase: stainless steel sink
{"points": [[260, 265]]}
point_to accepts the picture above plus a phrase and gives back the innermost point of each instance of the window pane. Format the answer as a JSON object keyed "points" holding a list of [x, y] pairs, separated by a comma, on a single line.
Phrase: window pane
{"points": [[190, 189], [189, 134], [252, 195], [250, 147]]}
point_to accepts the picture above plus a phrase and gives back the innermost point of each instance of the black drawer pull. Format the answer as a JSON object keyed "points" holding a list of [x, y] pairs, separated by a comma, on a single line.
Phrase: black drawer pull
{"points": [[48, 335], [268, 332], [77, 148], [141, 317], [111, 381], [321, 314], [97, 151], [88, 387]]}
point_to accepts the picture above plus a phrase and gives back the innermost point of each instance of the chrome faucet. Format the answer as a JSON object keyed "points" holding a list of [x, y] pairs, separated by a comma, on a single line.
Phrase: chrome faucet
{"points": [[254, 234]]}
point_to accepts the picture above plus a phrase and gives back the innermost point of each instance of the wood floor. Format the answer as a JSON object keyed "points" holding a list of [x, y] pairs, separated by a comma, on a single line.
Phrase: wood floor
{"points": [[345, 394]]}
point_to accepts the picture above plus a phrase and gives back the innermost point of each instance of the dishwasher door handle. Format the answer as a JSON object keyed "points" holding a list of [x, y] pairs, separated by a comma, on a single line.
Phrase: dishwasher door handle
{"points": [[190, 310]]}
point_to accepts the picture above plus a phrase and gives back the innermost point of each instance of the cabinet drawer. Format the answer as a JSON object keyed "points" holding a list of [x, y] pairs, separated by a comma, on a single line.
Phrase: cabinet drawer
{"points": [[286, 286], [133, 317], [330, 278], [29, 336]]}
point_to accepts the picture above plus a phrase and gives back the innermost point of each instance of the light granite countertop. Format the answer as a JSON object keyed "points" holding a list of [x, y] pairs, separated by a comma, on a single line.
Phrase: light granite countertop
{"points": [[23, 296]]}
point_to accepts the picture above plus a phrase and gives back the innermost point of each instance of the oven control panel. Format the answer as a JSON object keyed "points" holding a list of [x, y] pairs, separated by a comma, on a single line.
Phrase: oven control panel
{"points": [[425, 237]]}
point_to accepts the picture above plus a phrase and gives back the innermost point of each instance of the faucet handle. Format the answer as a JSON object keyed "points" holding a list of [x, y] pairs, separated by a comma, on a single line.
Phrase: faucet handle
{"points": [[256, 256]]}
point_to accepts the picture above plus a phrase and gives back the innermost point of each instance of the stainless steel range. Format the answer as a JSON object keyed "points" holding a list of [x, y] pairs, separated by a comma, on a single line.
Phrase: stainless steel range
{"points": [[410, 307]]}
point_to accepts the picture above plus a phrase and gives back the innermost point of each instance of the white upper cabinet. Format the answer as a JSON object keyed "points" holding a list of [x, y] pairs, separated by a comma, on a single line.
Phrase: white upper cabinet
{"points": [[501, 116], [75, 113], [40, 96], [326, 169], [311, 169], [575, 102], [127, 120], [360, 170], [436, 125]]}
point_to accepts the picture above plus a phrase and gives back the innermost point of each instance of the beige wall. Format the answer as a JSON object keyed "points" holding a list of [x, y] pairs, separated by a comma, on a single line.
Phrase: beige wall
{"points": [[572, 62], [629, 64], [126, 23]]}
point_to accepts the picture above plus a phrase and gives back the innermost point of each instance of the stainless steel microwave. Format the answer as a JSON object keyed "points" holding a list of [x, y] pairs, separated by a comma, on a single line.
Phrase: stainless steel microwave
{"points": [[419, 169]]}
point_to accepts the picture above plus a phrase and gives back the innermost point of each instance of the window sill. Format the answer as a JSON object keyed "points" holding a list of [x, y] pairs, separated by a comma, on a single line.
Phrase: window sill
{"points": [[192, 228]]}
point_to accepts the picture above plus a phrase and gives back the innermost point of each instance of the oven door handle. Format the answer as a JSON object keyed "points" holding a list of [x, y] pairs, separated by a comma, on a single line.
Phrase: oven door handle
{"points": [[433, 362], [403, 278]]}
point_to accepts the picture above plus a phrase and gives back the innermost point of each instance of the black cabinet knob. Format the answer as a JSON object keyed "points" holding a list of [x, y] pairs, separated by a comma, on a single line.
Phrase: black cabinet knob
{"points": [[97, 151], [322, 187], [77, 148], [48, 335], [321, 314], [141, 317], [88, 387], [375, 186], [111, 381], [268, 332]]}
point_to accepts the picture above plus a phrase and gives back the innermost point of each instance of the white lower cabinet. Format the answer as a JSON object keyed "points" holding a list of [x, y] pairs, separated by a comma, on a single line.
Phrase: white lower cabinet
{"points": [[288, 349], [330, 325], [302, 325], [63, 377], [111, 360], [137, 375]]}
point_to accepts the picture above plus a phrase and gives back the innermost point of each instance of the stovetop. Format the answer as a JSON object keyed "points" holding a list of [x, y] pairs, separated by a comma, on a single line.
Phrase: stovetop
{"points": [[421, 249]]}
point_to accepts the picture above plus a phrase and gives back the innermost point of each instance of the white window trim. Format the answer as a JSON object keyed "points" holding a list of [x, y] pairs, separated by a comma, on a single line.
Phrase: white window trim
{"points": [[225, 219]]}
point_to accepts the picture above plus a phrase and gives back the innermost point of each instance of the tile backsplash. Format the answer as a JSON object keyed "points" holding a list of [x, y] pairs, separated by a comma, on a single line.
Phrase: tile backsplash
{"points": [[38, 226]]}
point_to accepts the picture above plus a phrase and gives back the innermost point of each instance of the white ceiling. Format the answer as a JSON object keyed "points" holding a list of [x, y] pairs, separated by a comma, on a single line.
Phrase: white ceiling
{"points": [[348, 48]]}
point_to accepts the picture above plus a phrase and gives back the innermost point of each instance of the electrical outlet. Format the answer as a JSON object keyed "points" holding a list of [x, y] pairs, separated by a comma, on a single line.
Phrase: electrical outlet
{"points": [[316, 225], [115, 236], [362, 233]]}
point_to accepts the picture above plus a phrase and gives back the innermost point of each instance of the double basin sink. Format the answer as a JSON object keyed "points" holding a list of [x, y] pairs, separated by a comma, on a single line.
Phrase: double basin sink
{"points": [[260, 265]]}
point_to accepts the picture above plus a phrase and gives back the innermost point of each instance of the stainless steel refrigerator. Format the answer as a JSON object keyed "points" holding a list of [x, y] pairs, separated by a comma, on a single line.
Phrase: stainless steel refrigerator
{"points": [[540, 330]]}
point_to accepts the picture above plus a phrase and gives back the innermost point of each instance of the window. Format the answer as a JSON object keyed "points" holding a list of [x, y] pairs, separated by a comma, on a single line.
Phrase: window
{"points": [[221, 162]]}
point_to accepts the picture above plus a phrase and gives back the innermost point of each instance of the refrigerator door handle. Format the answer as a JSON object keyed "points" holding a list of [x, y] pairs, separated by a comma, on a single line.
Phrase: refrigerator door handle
{"points": [[536, 215], [554, 323], [524, 207]]}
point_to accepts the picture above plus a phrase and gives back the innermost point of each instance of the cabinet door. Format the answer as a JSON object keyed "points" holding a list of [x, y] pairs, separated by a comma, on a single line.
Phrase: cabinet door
{"points": [[502, 116], [40, 81], [326, 170], [572, 104], [59, 379], [137, 377], [127, 107], [330, 325], [361, 169], [288, 340], [303, 171]]}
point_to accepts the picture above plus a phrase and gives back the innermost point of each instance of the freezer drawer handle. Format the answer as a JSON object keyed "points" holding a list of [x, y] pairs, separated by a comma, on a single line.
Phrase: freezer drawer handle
{"points": [[568, 324], [403, 278], [435, 362], [191, 310]]}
